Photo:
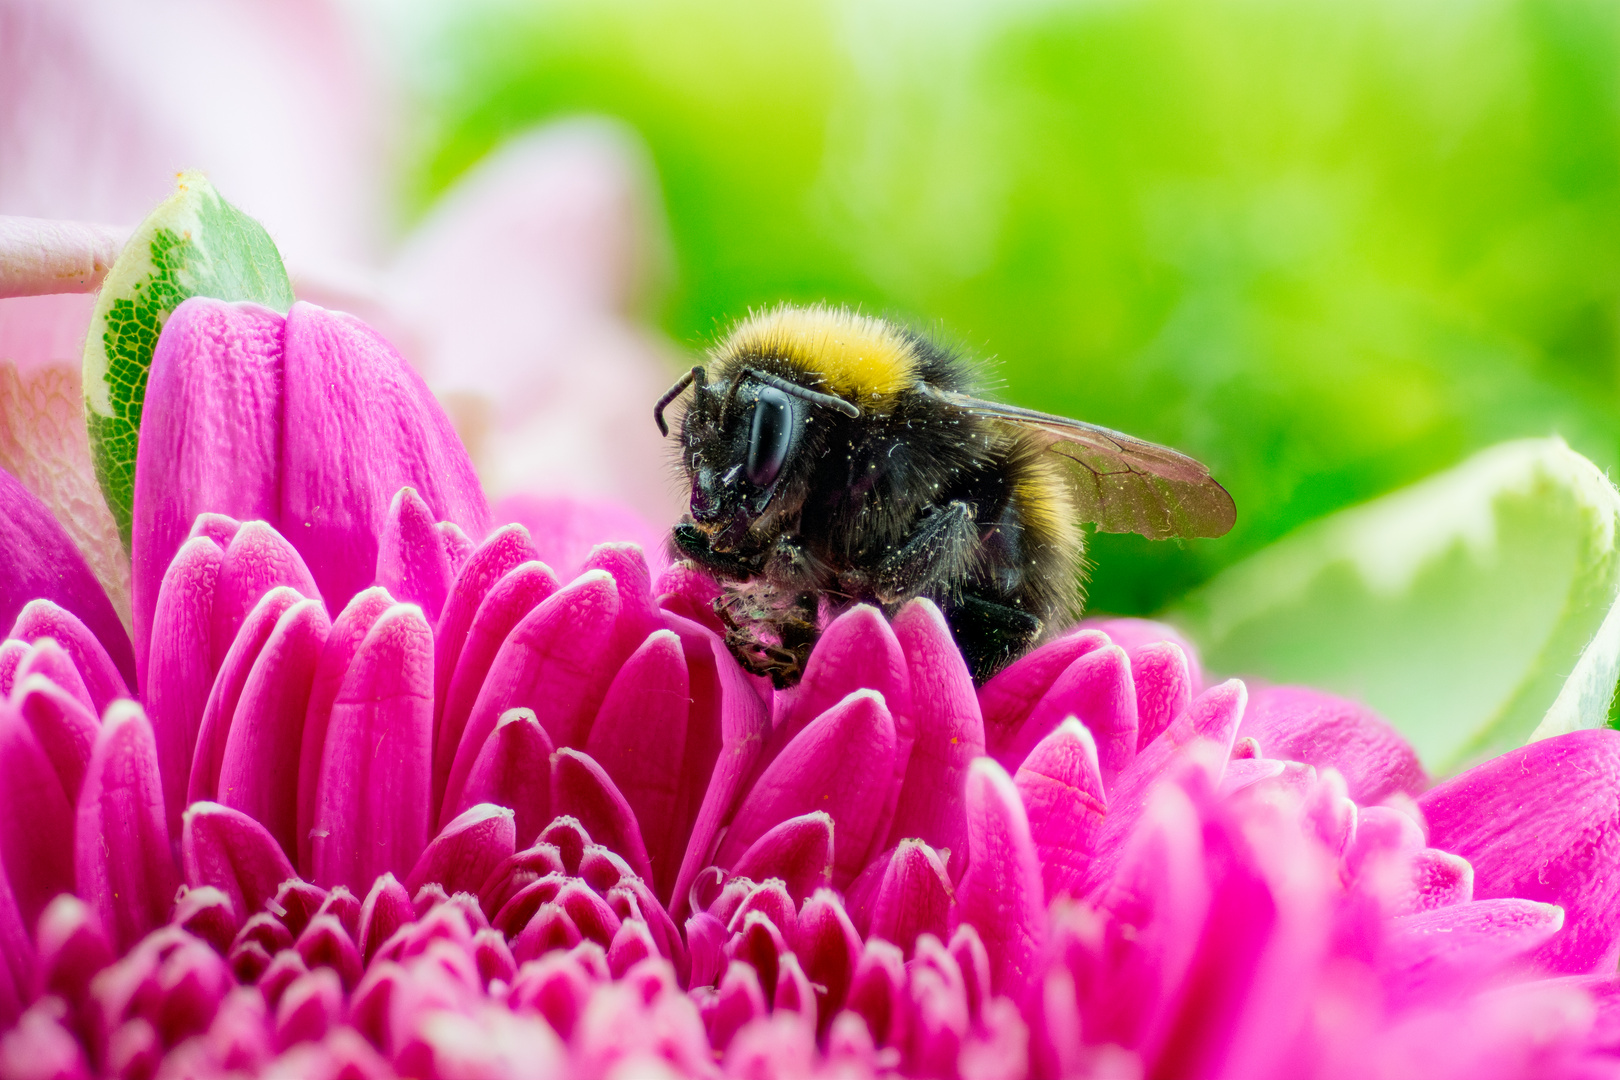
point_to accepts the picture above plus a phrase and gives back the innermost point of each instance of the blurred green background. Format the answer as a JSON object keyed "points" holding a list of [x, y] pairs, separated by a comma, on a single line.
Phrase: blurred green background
{"points": [[1326, 247]]}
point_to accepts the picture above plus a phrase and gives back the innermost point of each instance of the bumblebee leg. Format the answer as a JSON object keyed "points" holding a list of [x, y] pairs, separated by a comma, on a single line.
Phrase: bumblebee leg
{"points": [[939, 551], [691, 542], [990, 634]]}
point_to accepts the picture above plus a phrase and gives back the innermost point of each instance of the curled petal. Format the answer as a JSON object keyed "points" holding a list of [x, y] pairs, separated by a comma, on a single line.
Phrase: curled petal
{"points": [[1164, 687], [66, 732], [371, 812], [1097, 689], [842, 763], [36, 819], [827, 945], [102, 679], [1299, 724], [412, 563], [582, 788], [799, 852], [257, 560], [502, 551], [1008, 698], [122, 864], [1061, 786], [48, 659], [914, 896], [1001, 893]]}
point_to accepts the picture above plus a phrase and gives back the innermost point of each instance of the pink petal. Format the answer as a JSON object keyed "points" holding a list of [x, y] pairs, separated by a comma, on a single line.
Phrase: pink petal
{"points": [[66, 732], [467, 851], [1462, 946], [501, 552], [361, 425], [950, 731], [387, 908], [178, 671], [412, 563], [828, 946], [72, 949], [914, 896], [738, 1000], [687, 591], [44, 619], [343, 641], [257, 561], [258, 771], [551, 662], [36, 819], [12, 652], [371, 810], [1164, 687], [1061, 786], [1001, 892], [1543, 823], [582, 788], [638, 614], [514, 770], [639, 737], [566, 529], [1307, 725], [876, 993], [122, 864], [857, 651], [212, 440], [799, 852], [229, 851], [220, 713], [1137, 635], [48, 659], [842, 763], [326, 944], [504, 605], [1096, 688], [726, 726], [1007, 699]]}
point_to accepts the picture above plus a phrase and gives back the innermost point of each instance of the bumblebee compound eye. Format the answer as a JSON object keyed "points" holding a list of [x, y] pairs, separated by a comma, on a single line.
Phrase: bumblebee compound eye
{"points": [[768, 440]]}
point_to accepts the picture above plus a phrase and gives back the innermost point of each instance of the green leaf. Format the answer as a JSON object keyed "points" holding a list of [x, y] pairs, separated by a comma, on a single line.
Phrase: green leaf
{"points": [[1473, 610], [194, 244]]}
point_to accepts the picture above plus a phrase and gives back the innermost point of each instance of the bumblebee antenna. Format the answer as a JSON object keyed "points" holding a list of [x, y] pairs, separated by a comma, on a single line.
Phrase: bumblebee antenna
{"points": [[693, 376], [787, 386]]}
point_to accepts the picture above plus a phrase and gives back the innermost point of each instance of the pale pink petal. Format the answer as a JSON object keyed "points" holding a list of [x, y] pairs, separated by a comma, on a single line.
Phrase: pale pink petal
{"points": [[505, 604], [1001, 893], [45, 619], [842, 762], [229, 851], [371, 810], [1061, 786], [211, 440], [361, 425], [1543, 823], [343, 641], [412, 563], [639, 738], [258, 769], [566, 528], [949, 733], [552, 662], [1007, 699], [122, 864], [513, 770]]}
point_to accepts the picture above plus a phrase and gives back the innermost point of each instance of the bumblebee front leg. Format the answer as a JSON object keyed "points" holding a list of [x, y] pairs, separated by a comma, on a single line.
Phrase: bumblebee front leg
{"points": [[940, 551], [691, 542]]}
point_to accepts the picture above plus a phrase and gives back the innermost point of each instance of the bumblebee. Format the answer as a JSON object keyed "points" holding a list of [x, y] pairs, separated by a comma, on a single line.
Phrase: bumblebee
{"points": [[836, 459]]}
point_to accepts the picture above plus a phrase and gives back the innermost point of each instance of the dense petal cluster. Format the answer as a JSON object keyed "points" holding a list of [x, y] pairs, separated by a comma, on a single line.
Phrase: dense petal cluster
{"points": [[402, 795]]}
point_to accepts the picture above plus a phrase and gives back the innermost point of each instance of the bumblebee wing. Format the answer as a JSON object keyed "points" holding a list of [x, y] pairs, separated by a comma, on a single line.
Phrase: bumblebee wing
{"points": [[1123, 484]]}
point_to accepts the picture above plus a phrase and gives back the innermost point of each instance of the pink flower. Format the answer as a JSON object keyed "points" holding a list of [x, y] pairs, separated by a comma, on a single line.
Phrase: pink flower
{"points": [[399, 797]]}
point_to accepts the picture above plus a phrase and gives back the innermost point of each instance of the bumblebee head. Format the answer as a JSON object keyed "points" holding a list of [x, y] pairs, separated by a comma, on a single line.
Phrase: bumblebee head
{"points": [[738, 445]]}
